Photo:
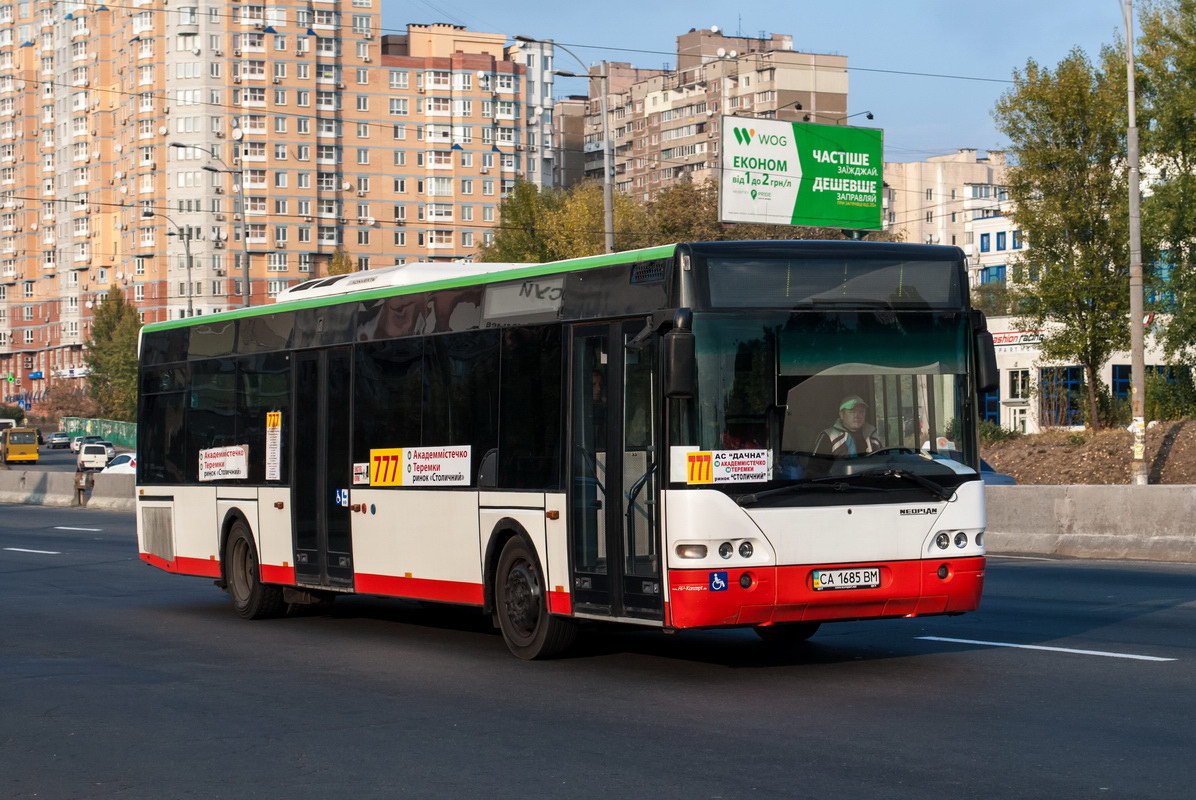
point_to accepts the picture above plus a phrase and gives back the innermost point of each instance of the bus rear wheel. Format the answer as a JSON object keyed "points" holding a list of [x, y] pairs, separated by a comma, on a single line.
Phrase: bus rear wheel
{"points": [[252, 598], [521, 605], [787, 632]]}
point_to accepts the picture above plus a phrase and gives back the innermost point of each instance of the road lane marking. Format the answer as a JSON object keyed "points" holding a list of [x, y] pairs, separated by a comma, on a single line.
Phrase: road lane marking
{"points": [[1043, 647], [43, 552], [68, 528]]}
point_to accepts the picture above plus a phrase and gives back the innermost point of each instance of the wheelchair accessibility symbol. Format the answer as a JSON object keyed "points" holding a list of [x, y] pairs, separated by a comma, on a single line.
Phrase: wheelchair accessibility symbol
{"points": [[718, 581]]}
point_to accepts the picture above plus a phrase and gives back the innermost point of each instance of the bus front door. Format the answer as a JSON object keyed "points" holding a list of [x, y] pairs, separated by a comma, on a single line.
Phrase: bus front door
{"points": [[614, 528], [320, 468]]}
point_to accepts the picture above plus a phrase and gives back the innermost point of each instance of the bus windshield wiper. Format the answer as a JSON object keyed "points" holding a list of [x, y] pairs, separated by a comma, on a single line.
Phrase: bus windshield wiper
{"points": [[924, 482], [817, 483]]}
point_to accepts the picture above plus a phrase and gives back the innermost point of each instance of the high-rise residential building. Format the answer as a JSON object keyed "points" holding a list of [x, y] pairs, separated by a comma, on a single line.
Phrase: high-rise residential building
{"points": [[664, 124], [162, 149], [930, 201], [568, 139], [538, 162]]}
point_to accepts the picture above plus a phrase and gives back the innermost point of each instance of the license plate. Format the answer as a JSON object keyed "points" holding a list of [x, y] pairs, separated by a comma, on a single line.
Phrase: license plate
{"points": [[866, 578]]}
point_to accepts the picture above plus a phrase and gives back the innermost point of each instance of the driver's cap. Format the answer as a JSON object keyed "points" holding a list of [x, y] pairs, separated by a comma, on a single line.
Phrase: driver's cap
{"points": [[851, 401]]}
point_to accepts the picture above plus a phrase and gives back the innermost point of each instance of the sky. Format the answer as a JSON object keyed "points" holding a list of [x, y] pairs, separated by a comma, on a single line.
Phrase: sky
{"points": [[921, 116]]}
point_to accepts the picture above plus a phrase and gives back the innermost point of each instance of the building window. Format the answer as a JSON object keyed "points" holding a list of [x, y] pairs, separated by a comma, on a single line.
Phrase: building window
{"points": [[1000, 240], [1017, 240], [1019, 384], [985, 242]]}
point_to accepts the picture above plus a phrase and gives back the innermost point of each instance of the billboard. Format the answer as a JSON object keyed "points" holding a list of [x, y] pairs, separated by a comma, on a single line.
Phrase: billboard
{"points": [[800, 173]]}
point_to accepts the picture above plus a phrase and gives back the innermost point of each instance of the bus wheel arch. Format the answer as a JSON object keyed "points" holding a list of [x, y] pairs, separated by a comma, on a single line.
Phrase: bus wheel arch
{"points": [[504, 531], [241, 572], [517, 594]]}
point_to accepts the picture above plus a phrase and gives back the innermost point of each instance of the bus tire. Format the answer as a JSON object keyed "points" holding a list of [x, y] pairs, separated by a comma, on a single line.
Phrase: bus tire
{"points": [[787, 632], [251, 598], [521, 605]]}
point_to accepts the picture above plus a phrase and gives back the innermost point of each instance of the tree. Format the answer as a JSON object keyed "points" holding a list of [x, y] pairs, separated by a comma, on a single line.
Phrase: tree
{"points": [[12, 412], [1067, 131], [1167, 83], [526, 214], [111, 357], [991, 298], [340, 263]]}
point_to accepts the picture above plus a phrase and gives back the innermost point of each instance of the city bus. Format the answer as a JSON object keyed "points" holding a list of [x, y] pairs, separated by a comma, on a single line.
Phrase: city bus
{"points": [[18, 444], [769, 435]]}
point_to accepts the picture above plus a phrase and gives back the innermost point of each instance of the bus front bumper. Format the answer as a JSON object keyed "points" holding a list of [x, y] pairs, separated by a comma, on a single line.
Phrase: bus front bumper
{"points": [[779, 594]]}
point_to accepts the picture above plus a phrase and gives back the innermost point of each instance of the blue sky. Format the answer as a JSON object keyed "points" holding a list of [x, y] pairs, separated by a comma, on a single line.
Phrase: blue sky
{"points": [[921, 116]]}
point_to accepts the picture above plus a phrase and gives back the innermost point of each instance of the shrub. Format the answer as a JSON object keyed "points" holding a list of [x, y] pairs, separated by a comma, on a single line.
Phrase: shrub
{"points": [[991, 433]]}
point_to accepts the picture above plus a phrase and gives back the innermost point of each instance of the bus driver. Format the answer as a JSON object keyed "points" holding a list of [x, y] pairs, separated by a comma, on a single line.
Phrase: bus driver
{"points": [[850, 435]]}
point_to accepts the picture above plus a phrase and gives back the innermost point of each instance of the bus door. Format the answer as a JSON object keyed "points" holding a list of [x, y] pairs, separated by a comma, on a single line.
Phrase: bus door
{"points": [[614, 460], [321, 472]]}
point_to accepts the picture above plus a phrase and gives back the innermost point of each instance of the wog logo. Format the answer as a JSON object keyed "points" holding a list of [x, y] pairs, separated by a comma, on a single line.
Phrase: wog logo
{"points": [[745, 135]]}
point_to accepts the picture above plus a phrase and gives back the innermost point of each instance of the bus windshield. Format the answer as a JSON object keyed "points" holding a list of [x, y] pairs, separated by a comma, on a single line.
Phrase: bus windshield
{"points": [[822, 396]]}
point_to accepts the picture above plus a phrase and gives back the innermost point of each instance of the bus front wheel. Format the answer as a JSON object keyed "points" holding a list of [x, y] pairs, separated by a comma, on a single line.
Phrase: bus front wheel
{"points": [[252, 598], [521, 604], [787, 632]]}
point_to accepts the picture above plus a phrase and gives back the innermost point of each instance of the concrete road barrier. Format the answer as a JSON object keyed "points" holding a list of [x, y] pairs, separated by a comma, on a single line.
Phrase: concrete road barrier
{"points": [[113, 492], [37, 488], [1153, 523]]}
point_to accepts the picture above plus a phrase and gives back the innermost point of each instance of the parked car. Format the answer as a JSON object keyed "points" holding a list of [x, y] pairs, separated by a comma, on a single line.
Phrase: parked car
{"points": [[111, 448], [993, 478], [78, 442], [91, 457], [123, 464], [59, 440]]}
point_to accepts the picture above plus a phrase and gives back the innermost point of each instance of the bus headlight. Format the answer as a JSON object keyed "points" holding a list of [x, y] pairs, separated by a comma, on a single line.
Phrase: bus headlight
{"points": [[746, 549], [943, 540], [726, 549], [691, 550], [961, 539]]}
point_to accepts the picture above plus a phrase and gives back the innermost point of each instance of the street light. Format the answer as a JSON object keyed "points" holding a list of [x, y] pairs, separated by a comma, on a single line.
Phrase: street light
{"points": [[186, 239], [608, 209], [239, 190]]}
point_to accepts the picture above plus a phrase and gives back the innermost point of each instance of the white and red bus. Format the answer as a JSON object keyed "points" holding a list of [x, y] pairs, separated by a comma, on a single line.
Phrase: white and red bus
{"points": [[770, 435]]}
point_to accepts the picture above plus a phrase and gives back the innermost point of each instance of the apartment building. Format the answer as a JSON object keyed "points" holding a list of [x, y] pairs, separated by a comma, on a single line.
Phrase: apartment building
{"points": [[169, 150], [664, 124], [931, 201], [539, 159]]}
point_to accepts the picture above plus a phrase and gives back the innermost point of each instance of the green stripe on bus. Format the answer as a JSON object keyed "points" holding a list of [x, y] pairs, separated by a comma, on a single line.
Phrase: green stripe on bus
{"points": [[535, 271]]}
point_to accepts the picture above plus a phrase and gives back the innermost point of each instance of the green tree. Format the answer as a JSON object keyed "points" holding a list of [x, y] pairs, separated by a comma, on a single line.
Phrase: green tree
{"points": [[526, 219], [1167, 84], [111, 357], [12, 412], [991, 298], [340, 262], [1067, 131]]}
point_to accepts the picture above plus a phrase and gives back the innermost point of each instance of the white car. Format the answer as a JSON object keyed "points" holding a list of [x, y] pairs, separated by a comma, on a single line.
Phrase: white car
{"points": [[91, 457], [111, 449], [123, 464]]}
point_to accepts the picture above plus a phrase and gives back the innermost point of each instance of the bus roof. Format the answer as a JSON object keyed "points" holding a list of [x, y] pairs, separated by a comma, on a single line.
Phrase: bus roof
{"points": [[411, 278]]}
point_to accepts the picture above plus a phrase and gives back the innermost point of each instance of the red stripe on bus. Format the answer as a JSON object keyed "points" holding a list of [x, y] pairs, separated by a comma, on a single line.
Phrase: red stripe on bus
{"points": [[786, 594], [272, 573], [560, 603], [203, 567], [419, 588]]}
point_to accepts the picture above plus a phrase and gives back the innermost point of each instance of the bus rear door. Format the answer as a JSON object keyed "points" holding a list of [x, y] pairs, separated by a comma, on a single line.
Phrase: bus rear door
{"points": [[320, 468]]}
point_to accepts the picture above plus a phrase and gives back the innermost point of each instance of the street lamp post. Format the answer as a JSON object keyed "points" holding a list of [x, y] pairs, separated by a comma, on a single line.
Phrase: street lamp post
{"points": [[239, 191], [185, 236], [608, 207], [1139, 475]]}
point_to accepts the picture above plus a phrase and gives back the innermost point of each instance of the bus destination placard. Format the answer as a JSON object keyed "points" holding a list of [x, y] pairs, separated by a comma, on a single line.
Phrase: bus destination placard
{"points": [[224, 463], [421, 466], [728, 466]]}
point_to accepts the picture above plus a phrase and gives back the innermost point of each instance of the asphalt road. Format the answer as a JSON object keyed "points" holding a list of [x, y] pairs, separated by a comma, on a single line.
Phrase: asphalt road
{"points": [[60, 460], [121, 681]]}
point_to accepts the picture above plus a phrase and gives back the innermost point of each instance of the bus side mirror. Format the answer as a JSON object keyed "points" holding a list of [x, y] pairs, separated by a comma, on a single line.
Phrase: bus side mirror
{"points": [[680, 364], [988, 377]]}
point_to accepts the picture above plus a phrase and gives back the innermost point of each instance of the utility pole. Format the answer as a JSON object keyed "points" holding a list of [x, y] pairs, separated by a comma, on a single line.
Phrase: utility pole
{"points": [[608, 206], [1138, 472]]}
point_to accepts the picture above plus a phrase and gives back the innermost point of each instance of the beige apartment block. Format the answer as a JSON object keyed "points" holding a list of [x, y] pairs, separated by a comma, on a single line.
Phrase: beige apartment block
{"points": [[931, 201], [664, 124], [160, 149]]}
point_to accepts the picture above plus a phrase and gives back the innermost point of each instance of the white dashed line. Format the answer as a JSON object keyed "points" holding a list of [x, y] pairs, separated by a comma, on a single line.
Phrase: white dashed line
{"points": [[43, 552], [66, 528], [1042, 647]]}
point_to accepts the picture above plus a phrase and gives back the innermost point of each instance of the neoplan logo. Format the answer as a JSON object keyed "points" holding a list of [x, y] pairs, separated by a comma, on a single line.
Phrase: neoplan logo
{"points": [[745, 135], [905, 512]]}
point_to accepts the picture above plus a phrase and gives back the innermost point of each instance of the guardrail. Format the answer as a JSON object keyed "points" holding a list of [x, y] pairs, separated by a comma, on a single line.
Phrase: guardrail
{"points": [[113, 492], [1152, 523]]}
